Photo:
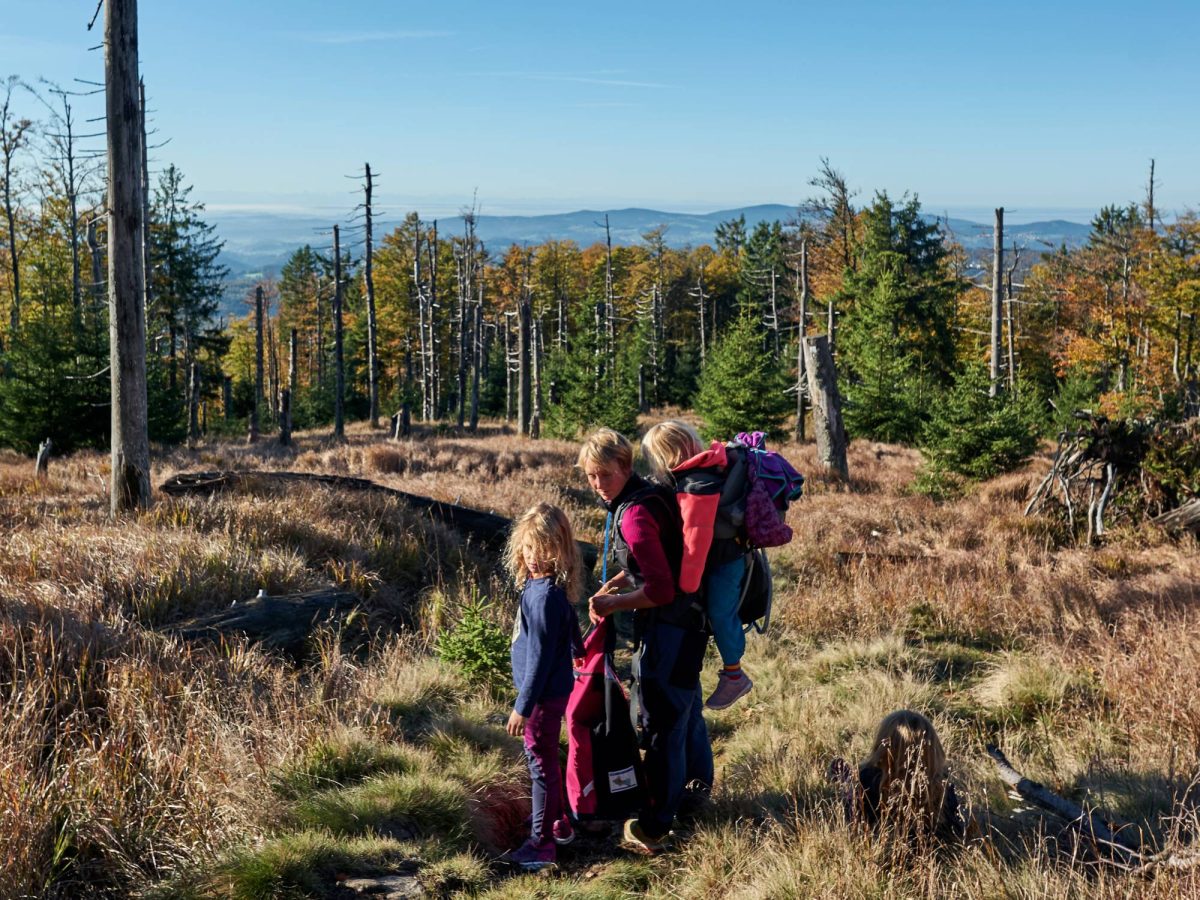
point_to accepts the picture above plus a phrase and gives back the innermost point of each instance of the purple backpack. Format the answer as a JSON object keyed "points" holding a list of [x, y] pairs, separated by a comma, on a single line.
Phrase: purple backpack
{"points": [[773, 485]]}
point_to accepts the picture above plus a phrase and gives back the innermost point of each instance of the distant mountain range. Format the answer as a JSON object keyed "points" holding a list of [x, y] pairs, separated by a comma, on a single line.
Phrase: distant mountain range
{"points": [[260, 242]]}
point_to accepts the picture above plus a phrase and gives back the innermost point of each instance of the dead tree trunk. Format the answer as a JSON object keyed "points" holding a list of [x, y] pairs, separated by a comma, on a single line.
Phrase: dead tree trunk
{"points": [[508, 369], [12, 138], [130, 485], [147, 265], [372, 332], [285, 418], [256, 407], [826, 406], [97, 271], [41, 465], [435, 385], [535, 414], [194, 402], [801, 324], [1010, 320], [701, 299], [293, 361], [339, 389], [997, 294], [524, 373], [420, 298], [610, 312], [478, 358]]}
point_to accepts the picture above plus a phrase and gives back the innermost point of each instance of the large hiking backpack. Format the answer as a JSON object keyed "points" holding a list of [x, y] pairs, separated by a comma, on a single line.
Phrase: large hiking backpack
{"points": [[773, 484], [604, 776]]}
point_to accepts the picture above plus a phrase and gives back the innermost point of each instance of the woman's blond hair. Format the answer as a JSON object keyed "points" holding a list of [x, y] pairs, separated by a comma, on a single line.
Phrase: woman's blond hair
{"points": [[605, 447], [912, 763], [546, 531], [667, 444]]}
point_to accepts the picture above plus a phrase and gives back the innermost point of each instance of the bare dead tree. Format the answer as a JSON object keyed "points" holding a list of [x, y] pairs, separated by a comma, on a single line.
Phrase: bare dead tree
{"points": [[420, 303], [193, 403], [339, 390], [14, 136], [701, 302], [95, 253], [801, 328], [293, 343], [997, 294], [524, 358], [509, 366], [72, 177], [434, 350], [148, 284], [609, 340], [130, 486], [1010, 323], [372, 328], [478, 357], [255, 409], [535, 415]]}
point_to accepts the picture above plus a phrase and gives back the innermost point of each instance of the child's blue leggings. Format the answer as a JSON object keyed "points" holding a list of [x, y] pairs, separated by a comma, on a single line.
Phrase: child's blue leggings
{"points": [[723, 586]]}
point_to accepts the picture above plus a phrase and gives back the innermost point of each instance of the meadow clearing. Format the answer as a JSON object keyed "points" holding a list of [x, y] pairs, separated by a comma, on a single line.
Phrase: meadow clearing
{"points": [[134, 764]]}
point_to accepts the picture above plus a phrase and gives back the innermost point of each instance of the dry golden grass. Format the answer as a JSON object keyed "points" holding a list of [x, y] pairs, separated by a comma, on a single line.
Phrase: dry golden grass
{"points": [[131, 762]]}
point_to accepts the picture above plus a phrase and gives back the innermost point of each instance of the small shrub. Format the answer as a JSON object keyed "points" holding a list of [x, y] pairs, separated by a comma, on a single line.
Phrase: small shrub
{"points": [[477, 645]]}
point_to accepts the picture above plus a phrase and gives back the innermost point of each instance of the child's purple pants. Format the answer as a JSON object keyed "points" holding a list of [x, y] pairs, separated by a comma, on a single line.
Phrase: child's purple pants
{"points": [[541, 749]]}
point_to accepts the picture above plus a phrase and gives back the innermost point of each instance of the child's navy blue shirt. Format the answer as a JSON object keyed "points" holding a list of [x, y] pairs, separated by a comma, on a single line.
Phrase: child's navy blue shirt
{"points": [[545, 639]]}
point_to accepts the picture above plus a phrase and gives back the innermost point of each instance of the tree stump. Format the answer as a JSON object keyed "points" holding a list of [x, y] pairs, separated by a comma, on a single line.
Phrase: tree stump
{"points": [[41, 465], [826, 406]]}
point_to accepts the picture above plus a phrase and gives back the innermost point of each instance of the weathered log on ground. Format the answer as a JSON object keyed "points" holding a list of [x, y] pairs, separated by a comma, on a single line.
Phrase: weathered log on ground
{"points": [[1182, 517], [489, 528], [846, 557], [1119, 846], [281, 623]]}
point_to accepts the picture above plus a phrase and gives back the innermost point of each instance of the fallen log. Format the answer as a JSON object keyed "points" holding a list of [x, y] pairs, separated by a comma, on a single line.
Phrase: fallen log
{"points": [[488, 527], [281, 623], [1118, 846], [1182, 517]]}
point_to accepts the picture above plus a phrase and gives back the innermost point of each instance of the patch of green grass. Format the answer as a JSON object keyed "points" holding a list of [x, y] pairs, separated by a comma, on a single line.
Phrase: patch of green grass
{"points": [[458, 873], [412, 805], [304, 864], [331, 762], [1022, 688]]}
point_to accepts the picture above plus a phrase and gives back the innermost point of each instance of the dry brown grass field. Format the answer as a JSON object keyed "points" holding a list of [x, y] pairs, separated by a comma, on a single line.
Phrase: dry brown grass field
{"points": [[134, 764]]}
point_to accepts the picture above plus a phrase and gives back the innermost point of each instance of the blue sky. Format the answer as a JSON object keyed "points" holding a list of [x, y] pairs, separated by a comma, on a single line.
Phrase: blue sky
{"points": [[552, 106]]}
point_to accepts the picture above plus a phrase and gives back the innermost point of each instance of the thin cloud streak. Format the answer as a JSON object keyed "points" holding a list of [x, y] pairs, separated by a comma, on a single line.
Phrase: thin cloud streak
{"points": [[576, 79], [364, 37]]}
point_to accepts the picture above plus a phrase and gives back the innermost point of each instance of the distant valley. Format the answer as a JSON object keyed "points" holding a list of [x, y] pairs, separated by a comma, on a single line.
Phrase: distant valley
{"points": [[258, 243]]}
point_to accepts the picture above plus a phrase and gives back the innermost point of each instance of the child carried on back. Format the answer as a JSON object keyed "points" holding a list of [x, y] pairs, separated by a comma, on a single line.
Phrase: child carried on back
{"points": [[544, 560], [699, 475]]}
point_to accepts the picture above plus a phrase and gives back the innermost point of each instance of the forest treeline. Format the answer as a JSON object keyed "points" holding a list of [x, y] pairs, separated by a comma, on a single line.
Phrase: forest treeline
{"points": [[558, 337]]}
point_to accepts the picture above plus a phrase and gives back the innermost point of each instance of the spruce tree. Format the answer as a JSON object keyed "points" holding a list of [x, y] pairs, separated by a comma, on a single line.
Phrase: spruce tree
{"points": [[742, 386], [972, 434]]}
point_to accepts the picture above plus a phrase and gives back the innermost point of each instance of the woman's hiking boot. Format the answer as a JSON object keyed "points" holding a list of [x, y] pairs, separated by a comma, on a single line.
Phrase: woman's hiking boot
{"points": [[731, 687], [635, 838]]}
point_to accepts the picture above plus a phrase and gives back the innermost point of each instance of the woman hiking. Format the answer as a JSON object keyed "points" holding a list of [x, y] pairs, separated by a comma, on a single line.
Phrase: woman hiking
{"points": [[647, 541]]}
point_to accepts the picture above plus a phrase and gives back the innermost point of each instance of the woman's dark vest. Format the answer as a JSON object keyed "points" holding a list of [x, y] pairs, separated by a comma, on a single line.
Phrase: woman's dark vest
{"points": [[686, 610]]}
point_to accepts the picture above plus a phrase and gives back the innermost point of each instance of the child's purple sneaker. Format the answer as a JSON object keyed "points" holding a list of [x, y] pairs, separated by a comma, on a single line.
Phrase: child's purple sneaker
{"points": [[563, 832], [730, 688], [531, 857]]}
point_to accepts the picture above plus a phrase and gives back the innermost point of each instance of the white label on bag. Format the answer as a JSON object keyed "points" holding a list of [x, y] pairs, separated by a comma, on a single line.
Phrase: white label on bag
{"points": [[622, 780]]}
